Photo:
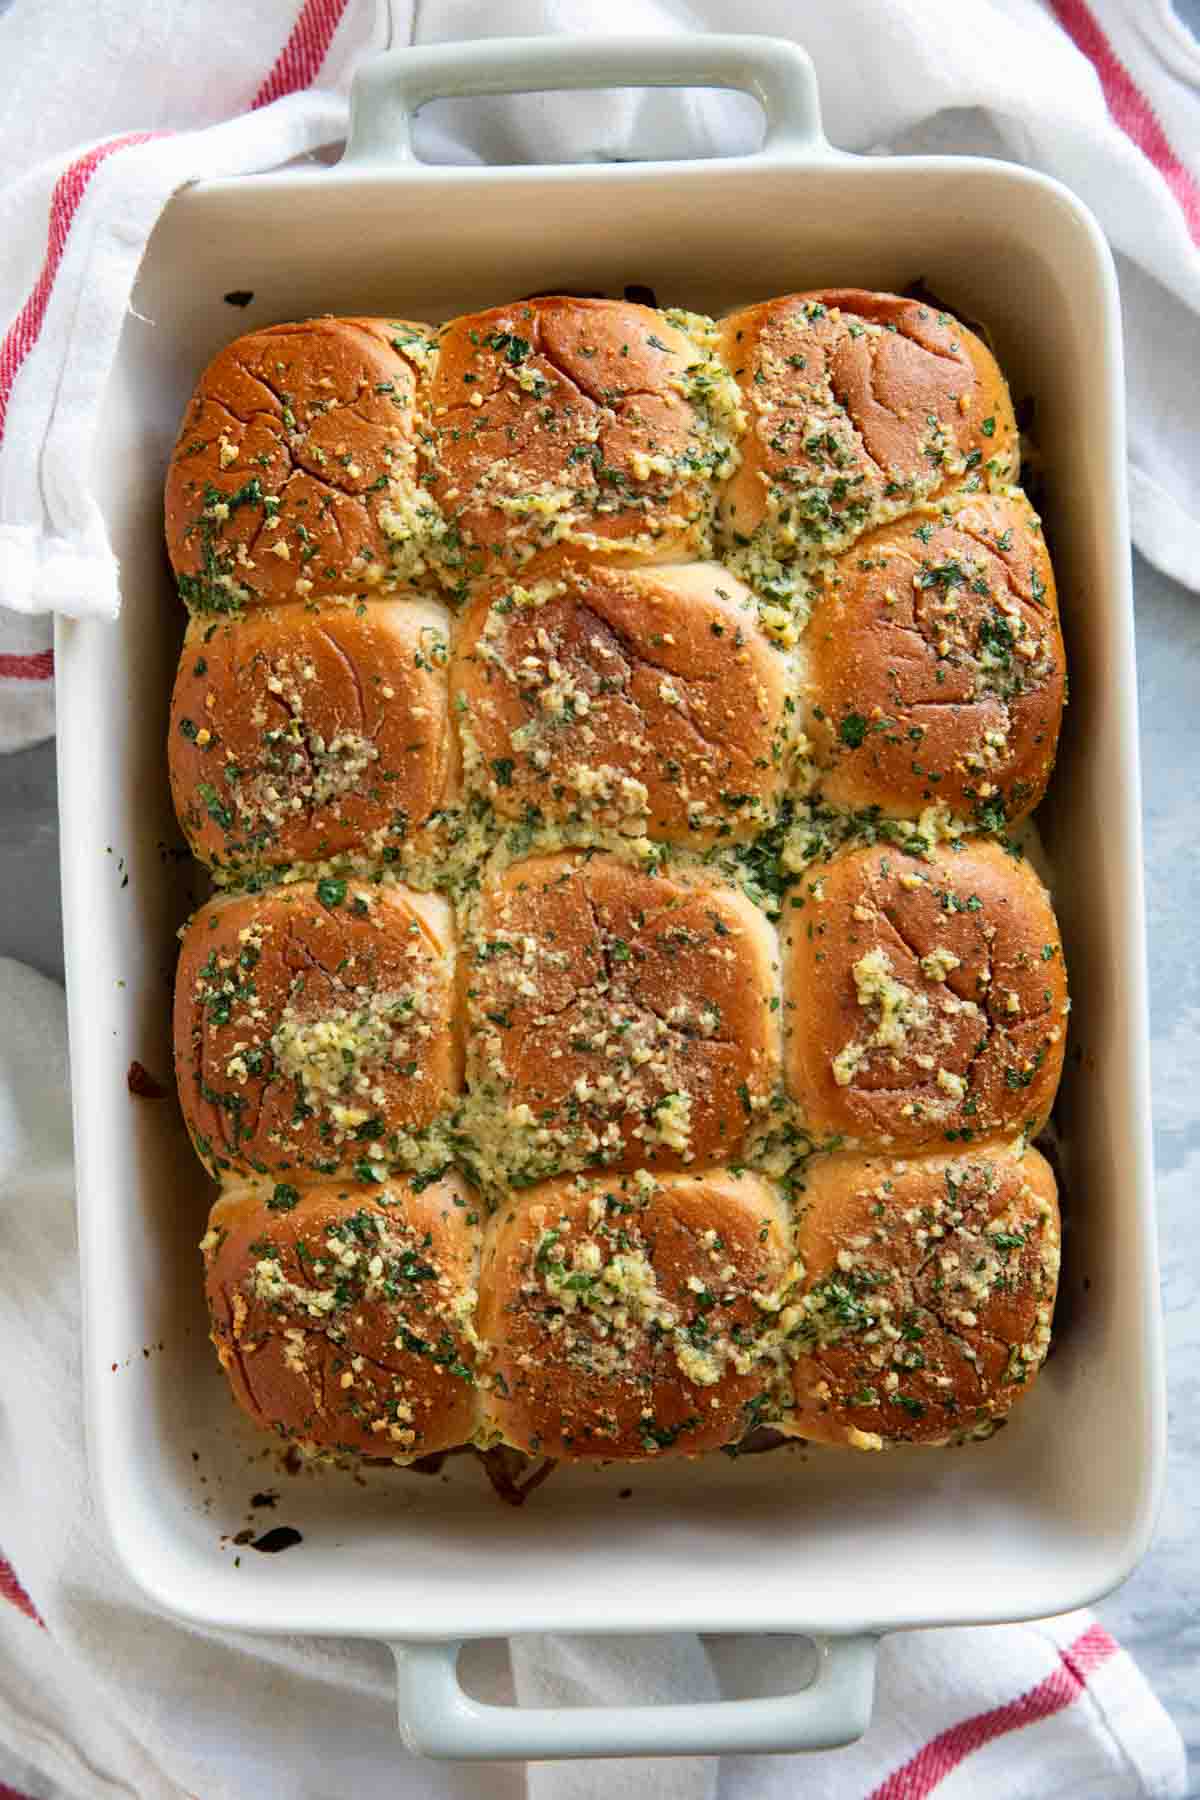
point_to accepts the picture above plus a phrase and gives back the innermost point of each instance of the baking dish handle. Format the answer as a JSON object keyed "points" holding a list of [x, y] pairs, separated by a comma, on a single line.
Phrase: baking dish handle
{"points": [[390, 88], [438, 1719]]}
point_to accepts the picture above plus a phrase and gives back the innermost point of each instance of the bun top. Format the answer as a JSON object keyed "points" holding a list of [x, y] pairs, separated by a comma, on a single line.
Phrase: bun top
{"points": [[648, 701], [631, 1316], [859, 405], [928, 1289], [559, 424], [297, 734], [344, 1319], [935, 671], [617, 1017], [295, 470], [924, 997], [314, 1029]]}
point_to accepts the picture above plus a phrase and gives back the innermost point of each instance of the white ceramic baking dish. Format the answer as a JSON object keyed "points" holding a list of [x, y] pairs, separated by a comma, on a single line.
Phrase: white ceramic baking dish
{"points": [[1052, 1512]]}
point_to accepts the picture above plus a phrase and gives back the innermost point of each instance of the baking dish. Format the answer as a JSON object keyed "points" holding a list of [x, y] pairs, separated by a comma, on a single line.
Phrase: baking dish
{"points": [[1049, 1514]]}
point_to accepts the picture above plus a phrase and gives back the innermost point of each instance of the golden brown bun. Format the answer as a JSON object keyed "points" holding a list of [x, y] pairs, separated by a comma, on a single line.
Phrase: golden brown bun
{"points": [[935, 666], [295, 470], [927, 1297], [624, 1315], [312, 1023], [298, 734], [924, 1000], [840, 387], [648, 700], [625, 1017], [343, 1319], [560, 423]]}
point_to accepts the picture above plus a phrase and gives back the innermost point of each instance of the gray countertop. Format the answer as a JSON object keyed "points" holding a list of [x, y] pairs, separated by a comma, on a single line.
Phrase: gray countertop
{"points": [[1156, 1614]]}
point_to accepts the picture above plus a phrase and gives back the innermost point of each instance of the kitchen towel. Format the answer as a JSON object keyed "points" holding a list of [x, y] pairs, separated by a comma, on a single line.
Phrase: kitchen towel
{"points": [[100, 1696], [111, 105]]}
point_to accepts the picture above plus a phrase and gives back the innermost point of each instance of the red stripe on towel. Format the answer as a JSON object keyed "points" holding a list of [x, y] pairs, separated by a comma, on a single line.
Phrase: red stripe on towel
{"points": [[1129, 106], [299, 62], [38, 666], [69, 190], [919, 1776], [12, 1591]]}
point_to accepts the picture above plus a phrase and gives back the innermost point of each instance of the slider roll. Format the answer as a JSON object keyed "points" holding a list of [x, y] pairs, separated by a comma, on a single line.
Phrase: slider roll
{"points": [[642, 701], [925, 1000], [298, 735], [344, 1320], [928, 1294], [314, 1031], [296, 471], [633, 1316], [619, 1018], [860, 405], [574, 427], [935, 671]]}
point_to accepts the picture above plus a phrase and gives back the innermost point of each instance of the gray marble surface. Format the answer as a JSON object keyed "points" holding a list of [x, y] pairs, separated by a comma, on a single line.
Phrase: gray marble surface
{"points": [[1157, 1613]]}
